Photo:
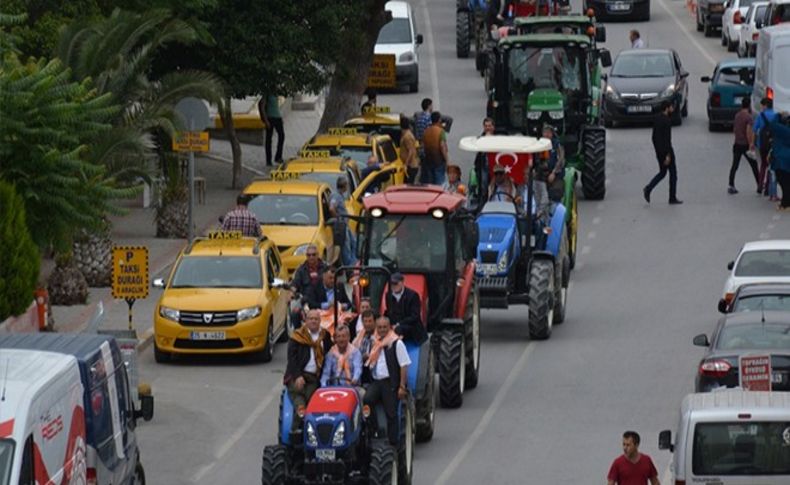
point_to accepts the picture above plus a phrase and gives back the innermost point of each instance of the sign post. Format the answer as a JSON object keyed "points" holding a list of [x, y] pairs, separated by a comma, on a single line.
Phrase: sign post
{"points": [[195, 113], [130, 275], [755, 372], [382, 71]]}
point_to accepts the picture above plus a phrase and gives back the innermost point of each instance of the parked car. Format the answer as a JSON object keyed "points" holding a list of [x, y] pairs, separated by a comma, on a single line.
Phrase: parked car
{"points": [[732, 80], [731, 437], [742, 334], [619, 9], [709, 14], [400, 38], [772, 77], [778, 12], [732, 22], [640, 81], [750, 30], [758, 262], [759, 297]]}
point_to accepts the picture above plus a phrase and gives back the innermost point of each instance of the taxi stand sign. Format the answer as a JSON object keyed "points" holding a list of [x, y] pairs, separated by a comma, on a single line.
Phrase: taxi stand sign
{"points": [[755, 372], [130, 274], [191, 141], [382, 72]]}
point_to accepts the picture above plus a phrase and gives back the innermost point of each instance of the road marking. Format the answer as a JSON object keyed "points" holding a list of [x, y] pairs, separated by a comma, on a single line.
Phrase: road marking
{"points": [[579, 267], [591, 235], [596, 220], [431, 52], [493, 408], [236, 436], [599, 206], [777, 217], [687, 33], [771, 226], [586, 249], [764, 235]]}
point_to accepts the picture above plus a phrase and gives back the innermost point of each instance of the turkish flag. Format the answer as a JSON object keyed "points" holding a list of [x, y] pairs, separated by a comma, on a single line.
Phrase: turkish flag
{"points": [[514, 164]]}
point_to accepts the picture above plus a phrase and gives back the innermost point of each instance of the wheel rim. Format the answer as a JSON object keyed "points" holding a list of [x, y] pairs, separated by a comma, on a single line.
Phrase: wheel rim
{"points": [[394, 473], [462, 373], [476, 330]]}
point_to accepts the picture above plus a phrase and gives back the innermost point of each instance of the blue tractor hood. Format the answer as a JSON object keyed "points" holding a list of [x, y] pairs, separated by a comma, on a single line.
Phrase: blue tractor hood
{"points": [[498, 234]]}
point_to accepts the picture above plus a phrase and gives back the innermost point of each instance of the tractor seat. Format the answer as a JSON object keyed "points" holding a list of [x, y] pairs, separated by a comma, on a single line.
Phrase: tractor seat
{"points": [[342, 400], [419, 284]]}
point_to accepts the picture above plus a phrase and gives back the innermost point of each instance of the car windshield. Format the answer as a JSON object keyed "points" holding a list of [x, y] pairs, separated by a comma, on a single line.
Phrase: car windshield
{"points": [[6, 457], [742, 449], [760, 12], [762, 302], [754, 336], [643, 65], [772, 262], [558, 68], [285, 209], [217, 272], [397, 31], [739, 76], [408, 243]]}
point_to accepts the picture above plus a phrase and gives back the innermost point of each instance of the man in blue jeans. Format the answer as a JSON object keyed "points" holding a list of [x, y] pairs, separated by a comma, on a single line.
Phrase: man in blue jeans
{"points": [[434, 142]]}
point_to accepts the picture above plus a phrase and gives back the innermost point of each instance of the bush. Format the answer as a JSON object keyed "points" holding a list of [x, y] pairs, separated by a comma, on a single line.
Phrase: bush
{"points": [[19, 256]]}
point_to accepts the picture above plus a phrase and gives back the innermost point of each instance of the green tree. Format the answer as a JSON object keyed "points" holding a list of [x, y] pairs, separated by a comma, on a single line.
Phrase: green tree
{"points": [[19, 256]]}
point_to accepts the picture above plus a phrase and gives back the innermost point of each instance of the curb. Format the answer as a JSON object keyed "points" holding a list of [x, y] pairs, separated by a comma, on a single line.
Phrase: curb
{"points": [[145, 340]]}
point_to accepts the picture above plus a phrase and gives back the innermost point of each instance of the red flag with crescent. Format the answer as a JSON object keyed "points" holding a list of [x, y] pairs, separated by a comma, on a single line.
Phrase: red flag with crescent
{"points": [[514, 164]]}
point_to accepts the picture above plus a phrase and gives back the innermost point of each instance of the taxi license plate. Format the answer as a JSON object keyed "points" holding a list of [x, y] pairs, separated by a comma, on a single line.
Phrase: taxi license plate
{"points": [[619, 7], [325, 455], [639, 109], [207, 335]]}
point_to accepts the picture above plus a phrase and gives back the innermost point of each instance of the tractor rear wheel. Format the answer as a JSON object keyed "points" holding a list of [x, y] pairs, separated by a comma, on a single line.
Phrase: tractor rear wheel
{"points": [[406, 448], [541, 294], [472, 329], [451, 368], [274, 470], [383, 466], [594, 170], [425, 409], [462, 40], [561, 279]]}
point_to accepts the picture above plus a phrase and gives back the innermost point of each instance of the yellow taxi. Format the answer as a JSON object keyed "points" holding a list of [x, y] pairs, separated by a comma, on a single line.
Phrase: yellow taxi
{"points": [[224, 295], [377, 119], [293, 214]]}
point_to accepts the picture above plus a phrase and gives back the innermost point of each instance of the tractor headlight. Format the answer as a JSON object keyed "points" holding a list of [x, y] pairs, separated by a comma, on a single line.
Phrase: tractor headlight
{"points": [[611, 93], [248, 313], [312, 440], [669, 91], [534, 115], [169, 313], [301, 250], [557, 115], [502, 263], [340, 434]]}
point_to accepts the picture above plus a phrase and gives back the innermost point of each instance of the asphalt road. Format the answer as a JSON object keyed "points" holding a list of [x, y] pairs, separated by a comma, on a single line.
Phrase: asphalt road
{"points": [[648, 278]]}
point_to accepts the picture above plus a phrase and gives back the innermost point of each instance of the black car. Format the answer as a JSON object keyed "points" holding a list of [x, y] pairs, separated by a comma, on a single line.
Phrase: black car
{"points": [[709, 15], [758, 297], [619, 9], [639, 81], [740, 334]]}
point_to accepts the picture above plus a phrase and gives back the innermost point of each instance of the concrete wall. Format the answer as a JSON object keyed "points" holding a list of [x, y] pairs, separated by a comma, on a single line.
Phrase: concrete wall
{"points": [[24, 323]]}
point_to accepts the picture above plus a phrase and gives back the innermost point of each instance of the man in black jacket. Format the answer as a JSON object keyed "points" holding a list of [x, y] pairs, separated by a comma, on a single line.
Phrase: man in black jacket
{"points": [[323, 296], [306, 350], [404, 310], [662, 142], [307, 275]]}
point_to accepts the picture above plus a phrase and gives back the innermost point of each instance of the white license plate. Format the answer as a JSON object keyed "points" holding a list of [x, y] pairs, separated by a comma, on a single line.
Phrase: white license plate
{"points": [[207, 335], [776, 378], [639, 109], [325, 455], [737, 99], [619, 7]]}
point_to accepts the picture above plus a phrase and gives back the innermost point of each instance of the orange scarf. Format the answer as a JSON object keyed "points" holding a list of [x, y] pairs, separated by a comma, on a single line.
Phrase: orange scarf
{"points": [[381, 343], [359, 338], [343, 362], [302, 336]]}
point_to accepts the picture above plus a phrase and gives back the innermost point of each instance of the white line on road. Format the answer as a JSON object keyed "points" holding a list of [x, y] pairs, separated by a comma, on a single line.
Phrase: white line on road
{"points": [[586, 249], [493, 408], [596, 220], [591, 235], [687, 33], [431, 52], [777, 217], [599, 206], [764, 235], [771, 226]]}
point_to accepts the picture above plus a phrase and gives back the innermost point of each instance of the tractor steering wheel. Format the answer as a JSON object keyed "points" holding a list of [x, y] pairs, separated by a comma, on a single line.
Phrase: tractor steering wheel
{"points": [[499, 192]]}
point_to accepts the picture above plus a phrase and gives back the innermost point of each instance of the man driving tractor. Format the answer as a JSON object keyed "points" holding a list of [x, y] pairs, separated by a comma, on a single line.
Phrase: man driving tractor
{"points": [[502, 188]]}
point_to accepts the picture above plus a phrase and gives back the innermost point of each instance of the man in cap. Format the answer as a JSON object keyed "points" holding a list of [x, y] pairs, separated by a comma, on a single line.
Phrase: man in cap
{"points": [[404, 310], [502, 188]]}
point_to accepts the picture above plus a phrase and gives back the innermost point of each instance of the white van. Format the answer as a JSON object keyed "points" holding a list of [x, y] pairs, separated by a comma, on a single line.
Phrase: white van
{"points": [[41, 418], [772, 67], [400, 38], [731, 437]]}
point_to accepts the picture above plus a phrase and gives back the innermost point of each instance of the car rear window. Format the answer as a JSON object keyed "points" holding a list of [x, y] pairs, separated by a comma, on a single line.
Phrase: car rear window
{"points": [[773, 262], [643, 65], [762, 302], [755, 336], [742, 449], [738, 76]]}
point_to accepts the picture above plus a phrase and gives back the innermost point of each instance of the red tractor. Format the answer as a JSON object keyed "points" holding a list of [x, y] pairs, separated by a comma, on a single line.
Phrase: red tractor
{"points": [[428, 235]]}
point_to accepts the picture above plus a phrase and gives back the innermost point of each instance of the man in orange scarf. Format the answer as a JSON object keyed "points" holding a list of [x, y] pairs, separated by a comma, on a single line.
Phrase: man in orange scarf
{"points": [[343, 364], [364, 340], [306, 350], [389, 363]]}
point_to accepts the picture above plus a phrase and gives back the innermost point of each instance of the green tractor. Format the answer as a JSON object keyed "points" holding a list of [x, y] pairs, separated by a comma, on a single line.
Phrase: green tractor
{"points": [[555, 79]]}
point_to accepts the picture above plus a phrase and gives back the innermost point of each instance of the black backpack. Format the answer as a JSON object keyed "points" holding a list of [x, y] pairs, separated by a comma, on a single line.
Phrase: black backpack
{"points": [[766, 140]]}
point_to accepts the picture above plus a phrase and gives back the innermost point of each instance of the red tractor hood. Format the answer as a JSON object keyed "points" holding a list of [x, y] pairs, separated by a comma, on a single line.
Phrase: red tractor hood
{"points": [[414, 199]]}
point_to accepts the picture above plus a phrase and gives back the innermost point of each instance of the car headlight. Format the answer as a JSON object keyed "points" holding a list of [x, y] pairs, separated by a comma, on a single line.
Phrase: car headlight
{"points": [[301, 250], [502, 263], [169, 313], [248, 313], [406, 57], [556, 115], [340, 434], [312, 440], [669, 91], [534, 115], [611, 92]]}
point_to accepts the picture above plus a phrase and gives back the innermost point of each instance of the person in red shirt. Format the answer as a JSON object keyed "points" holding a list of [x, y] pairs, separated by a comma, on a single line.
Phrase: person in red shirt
{"points": [[632, 467]]}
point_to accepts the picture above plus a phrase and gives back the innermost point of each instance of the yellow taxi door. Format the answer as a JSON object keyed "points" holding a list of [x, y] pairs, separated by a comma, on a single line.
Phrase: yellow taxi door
{"points": [[386, 151]]}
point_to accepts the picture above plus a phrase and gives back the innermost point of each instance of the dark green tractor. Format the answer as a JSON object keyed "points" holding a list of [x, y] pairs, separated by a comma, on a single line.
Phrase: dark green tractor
{"points": [[555, 79]]}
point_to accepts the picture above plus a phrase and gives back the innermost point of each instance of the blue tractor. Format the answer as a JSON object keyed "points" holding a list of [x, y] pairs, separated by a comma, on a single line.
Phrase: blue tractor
{"points": [[523, 250]]}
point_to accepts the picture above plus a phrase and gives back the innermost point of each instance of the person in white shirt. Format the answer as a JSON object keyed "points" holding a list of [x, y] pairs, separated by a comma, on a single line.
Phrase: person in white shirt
{"points": [[636, 40], [389, 363], [364, 305]]}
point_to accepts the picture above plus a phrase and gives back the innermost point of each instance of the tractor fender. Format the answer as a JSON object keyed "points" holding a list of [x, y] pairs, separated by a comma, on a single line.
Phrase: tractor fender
{"points": [[452, 324], [463, 290], [542, 255], [418, 375], [557, 227], [286, 417]]}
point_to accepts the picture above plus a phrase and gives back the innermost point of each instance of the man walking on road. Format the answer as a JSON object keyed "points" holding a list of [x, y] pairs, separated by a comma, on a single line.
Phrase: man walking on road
{"points": [[742, 129], [241, 219], [662, 142], [269, 110], [762, 140], [434, 164], [632, 467], [636, 40]]}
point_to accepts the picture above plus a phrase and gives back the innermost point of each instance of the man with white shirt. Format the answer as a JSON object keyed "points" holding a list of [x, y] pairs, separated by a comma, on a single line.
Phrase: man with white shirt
{"points": [[404, 310], [388, 363], [364, 305], [306, 350], [636, 40]]}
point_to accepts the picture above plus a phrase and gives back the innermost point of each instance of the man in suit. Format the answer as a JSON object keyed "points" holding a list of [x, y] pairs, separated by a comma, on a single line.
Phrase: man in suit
{"points": [[662, 142], [324, 295], [404, 310]]}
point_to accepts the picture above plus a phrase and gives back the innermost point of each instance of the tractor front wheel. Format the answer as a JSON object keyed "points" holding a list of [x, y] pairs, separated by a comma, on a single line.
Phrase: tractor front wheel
{"points": [[406, 448], [462, 39], [541, 294], [274, 470], [451, 368], [383, 467], [594, 170]]}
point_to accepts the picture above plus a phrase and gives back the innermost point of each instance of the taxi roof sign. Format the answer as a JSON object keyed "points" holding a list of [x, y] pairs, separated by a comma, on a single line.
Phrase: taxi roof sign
{"points": [[315, 153], [130, 272], [224, 235], [343, 131], [285, 175], [376, 109]]}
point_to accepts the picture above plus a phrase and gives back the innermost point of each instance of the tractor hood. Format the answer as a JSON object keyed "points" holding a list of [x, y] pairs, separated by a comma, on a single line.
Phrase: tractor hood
{"points": [[497, 234], [545, 100]]}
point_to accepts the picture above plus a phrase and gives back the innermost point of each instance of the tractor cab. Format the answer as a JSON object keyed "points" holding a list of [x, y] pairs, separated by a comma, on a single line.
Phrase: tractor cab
{"points": [[560, 24]]}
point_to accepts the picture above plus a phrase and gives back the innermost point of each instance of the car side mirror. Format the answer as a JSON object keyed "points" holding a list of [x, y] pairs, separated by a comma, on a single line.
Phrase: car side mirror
{"points": [[684, 74], [701, 340], [758, 24], [730, 265], [665, 441], [146, 411], [606, 57], [158, 283], [419, 39], [705, 79], [278, 283], [600, 34]]}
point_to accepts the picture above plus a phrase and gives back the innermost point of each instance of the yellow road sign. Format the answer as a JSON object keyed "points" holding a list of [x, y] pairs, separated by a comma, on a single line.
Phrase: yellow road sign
{"points": [[382, 72], [191, 141], [130, 272]]}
